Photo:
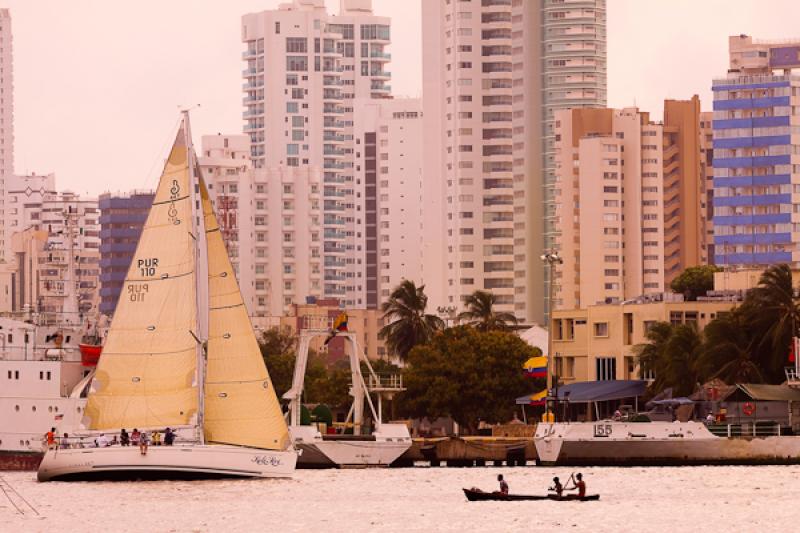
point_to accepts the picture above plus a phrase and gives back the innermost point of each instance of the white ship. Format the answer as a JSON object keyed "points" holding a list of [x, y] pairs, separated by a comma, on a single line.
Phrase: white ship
{"points": [[633, 440], [42, 385], [611, 443], [379, 448], [43, 370], [180, 353]]}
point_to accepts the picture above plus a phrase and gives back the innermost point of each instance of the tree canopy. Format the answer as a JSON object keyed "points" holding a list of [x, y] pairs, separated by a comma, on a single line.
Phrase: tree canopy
{"points": [[750, 343], [467, 374], [695, 281]]}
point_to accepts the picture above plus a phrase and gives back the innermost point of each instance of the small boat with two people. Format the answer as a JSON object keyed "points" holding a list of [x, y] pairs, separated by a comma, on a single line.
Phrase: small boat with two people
{"points": [[180, 354]]}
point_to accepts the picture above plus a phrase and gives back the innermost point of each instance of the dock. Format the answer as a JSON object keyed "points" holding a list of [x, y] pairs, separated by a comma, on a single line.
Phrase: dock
{"points": [[469, 451]]}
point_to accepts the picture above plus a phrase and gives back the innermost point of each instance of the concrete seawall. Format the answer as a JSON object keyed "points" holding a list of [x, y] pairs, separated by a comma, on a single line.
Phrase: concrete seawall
{"points": [[20, 461]]}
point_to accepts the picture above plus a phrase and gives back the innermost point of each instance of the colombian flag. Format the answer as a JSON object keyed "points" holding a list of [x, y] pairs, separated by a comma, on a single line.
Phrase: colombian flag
{"points": [[539, 398], [536, 367], [339, 324]]}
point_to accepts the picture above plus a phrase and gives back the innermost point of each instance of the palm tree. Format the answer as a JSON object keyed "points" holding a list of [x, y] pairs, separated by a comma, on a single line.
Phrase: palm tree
{"points": [[728, 349], [772, 309], [651, 355], [682, 352], [481, 315], [406, 322]]}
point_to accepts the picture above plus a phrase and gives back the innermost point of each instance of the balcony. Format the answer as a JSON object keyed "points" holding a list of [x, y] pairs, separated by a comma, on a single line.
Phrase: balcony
{"points": [[381, 75], [248, 72]]}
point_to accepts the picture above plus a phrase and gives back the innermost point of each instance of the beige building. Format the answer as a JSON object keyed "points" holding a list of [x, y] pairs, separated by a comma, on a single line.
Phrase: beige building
{"points": [[364, 323], [609, 198], [632, 201], [597, 343]]}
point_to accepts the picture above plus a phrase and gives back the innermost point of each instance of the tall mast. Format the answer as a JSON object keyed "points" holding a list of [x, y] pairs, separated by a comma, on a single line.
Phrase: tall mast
{"points": [[200, 274]]}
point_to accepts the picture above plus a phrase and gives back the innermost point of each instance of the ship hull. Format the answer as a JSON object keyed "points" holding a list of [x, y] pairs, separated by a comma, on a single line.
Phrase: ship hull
{"points": [[656, 444], [380, 449], [20, 460], [166, 462]]}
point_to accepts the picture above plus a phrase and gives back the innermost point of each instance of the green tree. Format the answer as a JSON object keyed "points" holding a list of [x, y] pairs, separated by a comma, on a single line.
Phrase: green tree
{"points": [[467, 374], [407, 324], [683, 367], [728, 349], [772, 310], [278, 348], [695, 281], [673, 355], [480, 313]]}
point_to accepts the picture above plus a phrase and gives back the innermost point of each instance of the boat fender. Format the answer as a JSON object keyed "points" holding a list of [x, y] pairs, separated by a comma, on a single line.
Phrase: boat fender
{"points": [[748, 408]]}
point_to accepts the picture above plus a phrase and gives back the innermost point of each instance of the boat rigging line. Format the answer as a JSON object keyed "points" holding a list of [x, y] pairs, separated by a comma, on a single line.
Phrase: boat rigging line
{"points": [[22, 506]]}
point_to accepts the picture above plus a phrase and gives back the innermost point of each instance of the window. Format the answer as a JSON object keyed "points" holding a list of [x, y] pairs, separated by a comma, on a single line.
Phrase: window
{"points": [[296, 45], [600, 329], [605, 368], [291, 107], [296, 63]]}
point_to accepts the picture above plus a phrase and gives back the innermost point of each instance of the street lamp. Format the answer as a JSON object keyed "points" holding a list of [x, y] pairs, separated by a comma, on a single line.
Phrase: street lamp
{"points": [[550, 259]]}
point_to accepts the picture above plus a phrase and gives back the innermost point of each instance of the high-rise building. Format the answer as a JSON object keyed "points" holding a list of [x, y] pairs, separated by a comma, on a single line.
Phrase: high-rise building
{"points": [[63, 239], [707, 171], [122, 217], [388, 175], [494, 72], [609, 192], [300, 120], [6, 130], [756, 154], [685, 196]]}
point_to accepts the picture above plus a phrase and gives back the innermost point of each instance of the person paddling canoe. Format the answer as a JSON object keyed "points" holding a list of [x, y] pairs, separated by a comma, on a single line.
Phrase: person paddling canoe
{"points": [[580, 485], [503, 484]]}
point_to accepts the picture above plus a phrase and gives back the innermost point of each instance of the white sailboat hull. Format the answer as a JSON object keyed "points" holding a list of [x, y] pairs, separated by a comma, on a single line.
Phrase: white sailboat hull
{"points": [[180, 461]]}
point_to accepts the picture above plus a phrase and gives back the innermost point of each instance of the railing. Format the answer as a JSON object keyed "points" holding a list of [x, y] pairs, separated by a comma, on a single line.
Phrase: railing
{"points": [[385, 382], [757, 429], [791, 376], [316, 323]]}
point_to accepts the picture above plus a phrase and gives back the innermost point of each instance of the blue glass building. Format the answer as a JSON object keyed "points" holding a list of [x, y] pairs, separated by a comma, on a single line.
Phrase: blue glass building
{"points": [[122, 218]]}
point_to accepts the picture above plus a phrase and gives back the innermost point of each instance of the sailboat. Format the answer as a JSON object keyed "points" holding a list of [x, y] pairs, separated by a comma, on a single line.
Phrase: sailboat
{"points": [[180, 353]]}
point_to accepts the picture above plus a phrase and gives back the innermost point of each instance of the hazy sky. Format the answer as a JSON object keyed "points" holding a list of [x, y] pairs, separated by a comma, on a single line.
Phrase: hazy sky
{"points": [[98, 82]]}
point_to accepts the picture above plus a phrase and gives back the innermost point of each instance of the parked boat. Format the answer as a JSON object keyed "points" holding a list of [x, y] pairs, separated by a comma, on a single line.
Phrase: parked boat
{"points": [[477, 495], [636, 440], [180, 353], [378, 448]]}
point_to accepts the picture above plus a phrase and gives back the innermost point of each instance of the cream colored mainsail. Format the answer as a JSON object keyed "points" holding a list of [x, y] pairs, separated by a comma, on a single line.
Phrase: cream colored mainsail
{"points": [[240, 404], [147, 375]]}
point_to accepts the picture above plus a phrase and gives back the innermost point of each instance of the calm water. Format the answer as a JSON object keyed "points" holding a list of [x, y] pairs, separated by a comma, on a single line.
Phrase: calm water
{"points": [[420, 499]]}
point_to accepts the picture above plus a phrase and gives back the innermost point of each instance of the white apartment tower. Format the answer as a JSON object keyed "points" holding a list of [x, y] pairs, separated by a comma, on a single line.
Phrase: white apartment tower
{"points": [[494, 71], [6, 129], [388, 171], [303, 70]]}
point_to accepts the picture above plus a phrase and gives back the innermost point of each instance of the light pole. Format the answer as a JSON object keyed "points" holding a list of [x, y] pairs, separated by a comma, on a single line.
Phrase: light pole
{"points": [[550, 259]]}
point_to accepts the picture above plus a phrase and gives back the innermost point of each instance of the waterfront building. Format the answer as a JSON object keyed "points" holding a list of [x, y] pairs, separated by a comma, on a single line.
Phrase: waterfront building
{"points": [[122, 217], [631, 201], [610, 211], [597, 342], [56, 243], [25, 195], [6, 130], [300, 122], [757, 155], [389, 190], [685, 197], [494, 72], [707, 171]]}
